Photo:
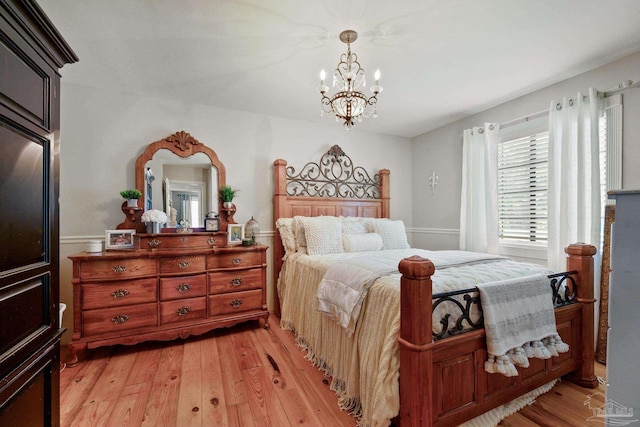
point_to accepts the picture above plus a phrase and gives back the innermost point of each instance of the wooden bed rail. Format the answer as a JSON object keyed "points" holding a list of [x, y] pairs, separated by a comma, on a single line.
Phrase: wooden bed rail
{"points": [[444, 382]]}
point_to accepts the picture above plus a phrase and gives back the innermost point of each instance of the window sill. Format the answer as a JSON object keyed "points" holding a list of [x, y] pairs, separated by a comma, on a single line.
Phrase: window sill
{"points": [[523, 250]]}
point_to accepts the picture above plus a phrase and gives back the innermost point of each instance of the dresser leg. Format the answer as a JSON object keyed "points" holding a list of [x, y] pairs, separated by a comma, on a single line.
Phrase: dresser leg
{"points": [[78, 352], [266, 322]]}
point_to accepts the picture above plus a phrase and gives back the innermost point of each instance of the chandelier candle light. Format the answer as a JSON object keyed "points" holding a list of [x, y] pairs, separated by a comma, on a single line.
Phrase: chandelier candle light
{"points": [[349, 104]]}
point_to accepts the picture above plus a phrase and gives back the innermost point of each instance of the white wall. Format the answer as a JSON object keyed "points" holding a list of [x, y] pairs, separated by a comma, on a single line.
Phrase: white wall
{"points": [[103, 132], [436, 218]]}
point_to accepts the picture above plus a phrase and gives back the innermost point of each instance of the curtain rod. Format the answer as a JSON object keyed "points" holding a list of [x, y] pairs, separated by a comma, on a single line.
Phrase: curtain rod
{"points": [[627, 84], [524, 119]]}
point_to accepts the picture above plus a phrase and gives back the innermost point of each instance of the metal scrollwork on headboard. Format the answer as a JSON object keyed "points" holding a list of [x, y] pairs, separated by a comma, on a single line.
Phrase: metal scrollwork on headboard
{"points": [[333, 176]]}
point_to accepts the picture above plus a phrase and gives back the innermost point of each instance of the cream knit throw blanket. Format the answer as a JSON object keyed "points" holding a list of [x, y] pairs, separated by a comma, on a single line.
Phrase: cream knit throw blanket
{"points": [[345, 285], [519, 323]]}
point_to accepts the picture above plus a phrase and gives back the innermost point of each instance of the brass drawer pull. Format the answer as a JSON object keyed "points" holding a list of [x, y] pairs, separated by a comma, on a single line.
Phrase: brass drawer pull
{"points": [[236, 261], [184, 239], [120, 293], [183, 287], [236, 303], [154, 243], [184, 264], [119, 268], [212, 240], [183, 311], [236, 281], [120, 319]]}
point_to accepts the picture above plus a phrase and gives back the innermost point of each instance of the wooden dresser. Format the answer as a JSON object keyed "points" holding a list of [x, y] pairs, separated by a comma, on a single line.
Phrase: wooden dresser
{"points": [[183, 286]]}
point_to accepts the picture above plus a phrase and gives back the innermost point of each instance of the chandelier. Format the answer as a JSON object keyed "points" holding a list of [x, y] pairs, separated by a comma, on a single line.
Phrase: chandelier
{"points": [[349, 104]]}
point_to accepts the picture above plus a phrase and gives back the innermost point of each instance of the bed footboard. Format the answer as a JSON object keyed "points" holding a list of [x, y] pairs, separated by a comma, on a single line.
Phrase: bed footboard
{"points": [[444, 382]]}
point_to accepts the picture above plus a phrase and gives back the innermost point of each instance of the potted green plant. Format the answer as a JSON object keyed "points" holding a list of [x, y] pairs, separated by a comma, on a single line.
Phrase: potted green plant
{"points": [[227, 194], [132, 197]]}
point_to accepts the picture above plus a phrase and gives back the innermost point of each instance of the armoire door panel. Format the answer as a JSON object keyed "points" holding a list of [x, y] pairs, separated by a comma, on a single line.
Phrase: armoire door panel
{"points": [[24, 317], [28, 95], [24, 198]]}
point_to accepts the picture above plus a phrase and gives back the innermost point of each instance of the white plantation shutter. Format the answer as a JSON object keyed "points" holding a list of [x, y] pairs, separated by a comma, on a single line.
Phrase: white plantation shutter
{"points": [[522, 188]]}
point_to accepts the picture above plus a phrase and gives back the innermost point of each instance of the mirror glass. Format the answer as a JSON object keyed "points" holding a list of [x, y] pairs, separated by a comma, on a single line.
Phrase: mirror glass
{"points": [[186, 188]]}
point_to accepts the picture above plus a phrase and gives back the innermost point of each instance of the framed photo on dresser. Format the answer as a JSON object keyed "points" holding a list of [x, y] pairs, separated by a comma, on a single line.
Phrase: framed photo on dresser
{"points": [[235, 234], [119, 239]]}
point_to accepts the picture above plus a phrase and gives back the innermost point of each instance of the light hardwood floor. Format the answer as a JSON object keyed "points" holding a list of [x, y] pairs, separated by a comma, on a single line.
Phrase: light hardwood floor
{"points": [[242, 376]]}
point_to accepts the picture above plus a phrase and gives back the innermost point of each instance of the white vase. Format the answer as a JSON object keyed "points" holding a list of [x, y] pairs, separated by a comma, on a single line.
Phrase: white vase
{"points": [[132, 203], [227, 205]]}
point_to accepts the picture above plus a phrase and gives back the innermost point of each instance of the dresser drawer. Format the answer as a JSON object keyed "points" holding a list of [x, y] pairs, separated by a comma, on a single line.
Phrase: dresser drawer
{"points": [[118, 269], [183, 310], [232, 281], [183, 264], [109, 294], [179, 241], [235, 302], [235, 260], [117, 320], [183, 287]]}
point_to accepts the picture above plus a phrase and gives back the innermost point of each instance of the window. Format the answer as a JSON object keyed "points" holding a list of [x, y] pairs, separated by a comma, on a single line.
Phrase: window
{"points": [[523, 164], [523, 156]]}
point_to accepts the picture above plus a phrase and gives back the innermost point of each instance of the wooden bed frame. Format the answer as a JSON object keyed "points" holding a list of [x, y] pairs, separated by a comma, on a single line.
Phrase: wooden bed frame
{"points": [[442, 383]]}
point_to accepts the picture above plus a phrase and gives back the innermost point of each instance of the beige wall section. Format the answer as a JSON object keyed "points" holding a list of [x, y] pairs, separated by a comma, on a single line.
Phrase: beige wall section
{"points": [[103, 132], [441, 149]]}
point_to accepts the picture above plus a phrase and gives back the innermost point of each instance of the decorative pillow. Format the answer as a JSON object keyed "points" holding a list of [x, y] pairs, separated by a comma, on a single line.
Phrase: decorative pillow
{"points": [[393, 233], [301, 238], [361, 242], [323, 235], [354, 225], [287, 235]]}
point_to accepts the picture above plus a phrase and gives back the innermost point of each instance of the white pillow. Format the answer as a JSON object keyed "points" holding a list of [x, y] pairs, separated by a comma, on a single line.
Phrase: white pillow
{"points": [[361, 242], [393, 233], [323, 235], [354, 225], [287, 235], [301, 238]]}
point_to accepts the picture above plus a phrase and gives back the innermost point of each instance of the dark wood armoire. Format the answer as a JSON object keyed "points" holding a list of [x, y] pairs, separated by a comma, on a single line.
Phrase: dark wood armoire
{"points": [[31, 53]]}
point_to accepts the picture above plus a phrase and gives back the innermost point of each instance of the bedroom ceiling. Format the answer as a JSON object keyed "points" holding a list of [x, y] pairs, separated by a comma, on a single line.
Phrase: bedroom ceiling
{"points": [[441, 60]]}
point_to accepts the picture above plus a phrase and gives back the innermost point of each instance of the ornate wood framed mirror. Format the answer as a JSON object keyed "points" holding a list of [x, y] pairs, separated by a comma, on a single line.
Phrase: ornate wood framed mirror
{"points": [[180, 176]]}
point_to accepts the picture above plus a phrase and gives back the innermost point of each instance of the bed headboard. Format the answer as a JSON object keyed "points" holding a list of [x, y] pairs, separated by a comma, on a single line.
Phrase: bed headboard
{"points": [[332, 186]]}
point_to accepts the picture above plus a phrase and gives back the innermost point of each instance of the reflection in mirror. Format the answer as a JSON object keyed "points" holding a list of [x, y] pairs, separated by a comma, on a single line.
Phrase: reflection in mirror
{"points": [[184, 188]]}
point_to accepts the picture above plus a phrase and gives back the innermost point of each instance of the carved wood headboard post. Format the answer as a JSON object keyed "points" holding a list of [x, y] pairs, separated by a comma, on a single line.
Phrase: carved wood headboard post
{"points": [[279, 210], [385, 192]]}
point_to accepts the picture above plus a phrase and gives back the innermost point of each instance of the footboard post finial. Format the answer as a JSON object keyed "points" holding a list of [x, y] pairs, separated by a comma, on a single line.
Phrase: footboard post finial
{"points": [[416, 370], [580, 259]]}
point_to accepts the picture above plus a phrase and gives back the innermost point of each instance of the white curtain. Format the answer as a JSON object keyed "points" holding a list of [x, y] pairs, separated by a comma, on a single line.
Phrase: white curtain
{"points": [[479, 200], [574, 176]]}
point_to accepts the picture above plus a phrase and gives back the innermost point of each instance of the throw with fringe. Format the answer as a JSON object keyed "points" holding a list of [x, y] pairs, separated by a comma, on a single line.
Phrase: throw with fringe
{"points": [[519, 323]]}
